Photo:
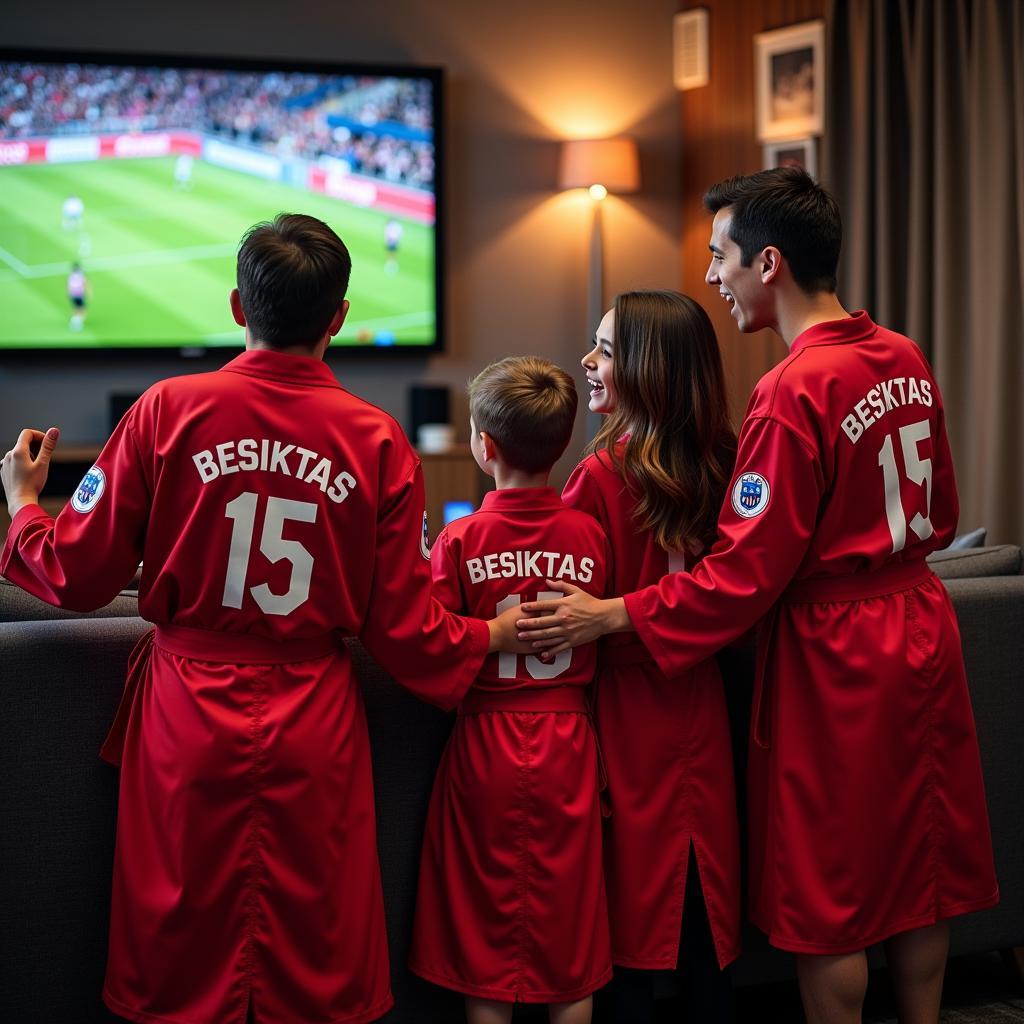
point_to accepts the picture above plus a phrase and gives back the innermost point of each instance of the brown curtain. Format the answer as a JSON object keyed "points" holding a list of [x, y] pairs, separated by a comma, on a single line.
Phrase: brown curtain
{"points": [[925, 152]]}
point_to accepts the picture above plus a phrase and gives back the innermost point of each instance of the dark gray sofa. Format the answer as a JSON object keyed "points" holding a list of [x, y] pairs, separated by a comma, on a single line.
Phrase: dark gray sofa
{"points": [[61, 682]]}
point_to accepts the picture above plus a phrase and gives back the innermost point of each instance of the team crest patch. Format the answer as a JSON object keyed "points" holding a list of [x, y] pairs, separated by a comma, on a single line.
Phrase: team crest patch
{"points": [[750, 495], [425, 539], [90, 490]]}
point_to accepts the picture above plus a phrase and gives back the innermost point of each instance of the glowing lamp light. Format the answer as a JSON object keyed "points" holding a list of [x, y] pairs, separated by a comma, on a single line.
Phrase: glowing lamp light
{"points": [[600, 165]]}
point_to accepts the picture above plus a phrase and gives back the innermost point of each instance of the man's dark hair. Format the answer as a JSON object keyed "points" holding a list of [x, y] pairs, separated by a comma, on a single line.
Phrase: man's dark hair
{"points": [[292, 277], [786, 208]]}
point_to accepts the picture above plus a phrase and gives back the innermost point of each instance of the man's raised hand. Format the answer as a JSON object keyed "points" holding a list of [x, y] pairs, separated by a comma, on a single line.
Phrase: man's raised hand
{"points": [[23, 475]]}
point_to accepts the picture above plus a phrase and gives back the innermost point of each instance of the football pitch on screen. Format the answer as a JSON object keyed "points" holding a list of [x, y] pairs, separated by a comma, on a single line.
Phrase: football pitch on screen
{"points": [[159, 256]]}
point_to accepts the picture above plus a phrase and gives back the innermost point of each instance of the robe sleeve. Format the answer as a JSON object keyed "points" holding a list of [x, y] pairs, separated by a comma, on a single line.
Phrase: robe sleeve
{"points": [[85, 556], [688, 616], [444, 568], [944, 502], [431, 652]]}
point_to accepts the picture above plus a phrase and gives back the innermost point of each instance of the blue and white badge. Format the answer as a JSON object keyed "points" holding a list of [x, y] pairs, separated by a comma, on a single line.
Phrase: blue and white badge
{"points": [[750, 495], [425, 539], [90, 490]]}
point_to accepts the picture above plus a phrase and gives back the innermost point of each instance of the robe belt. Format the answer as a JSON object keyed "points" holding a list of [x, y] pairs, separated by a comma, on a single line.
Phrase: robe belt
{"points": [[859, 586], [526, 699], [243, 648], [205, 645]]}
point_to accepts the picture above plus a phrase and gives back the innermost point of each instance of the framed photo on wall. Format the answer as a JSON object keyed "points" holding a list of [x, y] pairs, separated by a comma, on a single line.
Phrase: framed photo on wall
{"points": [[789, 79], [794, 153]]}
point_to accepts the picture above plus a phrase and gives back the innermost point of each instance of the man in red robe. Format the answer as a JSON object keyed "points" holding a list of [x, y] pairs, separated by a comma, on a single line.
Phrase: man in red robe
{"points": [[274, 513], [867, 808]]}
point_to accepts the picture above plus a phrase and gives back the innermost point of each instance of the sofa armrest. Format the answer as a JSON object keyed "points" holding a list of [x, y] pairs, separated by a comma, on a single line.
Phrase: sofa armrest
{"points": [[961, 563], [16, 605], [60, 684], [990, 612]]}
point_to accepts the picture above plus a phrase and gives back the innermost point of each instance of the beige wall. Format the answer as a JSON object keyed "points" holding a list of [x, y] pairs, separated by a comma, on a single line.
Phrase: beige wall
{"points": [[521, 76], [720, 140]]}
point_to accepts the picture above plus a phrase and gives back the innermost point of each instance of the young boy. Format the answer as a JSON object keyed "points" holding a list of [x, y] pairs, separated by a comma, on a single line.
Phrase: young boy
{"points": [[274, 513], [511, 904], [868, 820]]}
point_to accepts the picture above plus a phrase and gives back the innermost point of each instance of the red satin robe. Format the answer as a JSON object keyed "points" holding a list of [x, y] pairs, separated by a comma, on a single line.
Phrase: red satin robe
{"points": [[274, 512], [511, 900], [669, 759], [867, 806]]}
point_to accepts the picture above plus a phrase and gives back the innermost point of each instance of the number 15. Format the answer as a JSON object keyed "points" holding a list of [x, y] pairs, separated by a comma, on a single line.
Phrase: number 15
{"points": [[243, 511], [507, 663], [919, 471]]}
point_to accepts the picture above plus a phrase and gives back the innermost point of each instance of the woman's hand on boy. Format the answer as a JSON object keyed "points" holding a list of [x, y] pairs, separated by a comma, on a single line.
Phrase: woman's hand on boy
{"points": [[23, 475], [578, 618]]}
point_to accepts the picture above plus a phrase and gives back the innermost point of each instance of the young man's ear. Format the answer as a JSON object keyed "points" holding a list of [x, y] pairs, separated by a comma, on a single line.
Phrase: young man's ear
{"points": [[339, 319], [236, 308], [771, 263]]}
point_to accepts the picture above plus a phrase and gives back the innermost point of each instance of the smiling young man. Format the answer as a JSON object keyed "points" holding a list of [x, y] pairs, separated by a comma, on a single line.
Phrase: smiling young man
{"points": [[867, 809]]}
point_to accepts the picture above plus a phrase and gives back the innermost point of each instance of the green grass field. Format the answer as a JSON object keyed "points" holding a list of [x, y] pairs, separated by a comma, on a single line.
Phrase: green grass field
{"points": [[160, 261]]}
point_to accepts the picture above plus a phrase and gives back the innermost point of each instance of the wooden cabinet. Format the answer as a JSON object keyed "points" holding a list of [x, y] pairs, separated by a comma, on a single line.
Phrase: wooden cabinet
{"points": [[451, 476]]}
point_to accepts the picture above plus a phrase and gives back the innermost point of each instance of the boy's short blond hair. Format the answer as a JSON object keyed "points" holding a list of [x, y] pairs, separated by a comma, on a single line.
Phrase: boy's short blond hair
{"points": [[528, 406]]}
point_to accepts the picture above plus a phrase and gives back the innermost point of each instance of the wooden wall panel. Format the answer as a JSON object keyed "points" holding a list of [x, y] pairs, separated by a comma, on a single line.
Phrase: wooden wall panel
{"points": [[718, 141]]}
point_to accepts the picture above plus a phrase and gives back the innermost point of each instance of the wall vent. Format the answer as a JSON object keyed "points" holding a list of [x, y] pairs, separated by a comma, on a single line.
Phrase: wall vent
{"points": [[690, 48]]}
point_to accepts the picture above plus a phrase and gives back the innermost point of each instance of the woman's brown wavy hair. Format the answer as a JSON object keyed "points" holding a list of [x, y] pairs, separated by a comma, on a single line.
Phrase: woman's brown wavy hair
{"points": [[670, 386]]}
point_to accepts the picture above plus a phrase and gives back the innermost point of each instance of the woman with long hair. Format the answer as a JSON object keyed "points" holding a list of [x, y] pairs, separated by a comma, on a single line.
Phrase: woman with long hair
{"points": [[655, 478]]}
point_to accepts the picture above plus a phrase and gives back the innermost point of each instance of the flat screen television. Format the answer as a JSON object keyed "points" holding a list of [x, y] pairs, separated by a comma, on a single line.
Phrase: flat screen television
{"points": [[126, 183]]}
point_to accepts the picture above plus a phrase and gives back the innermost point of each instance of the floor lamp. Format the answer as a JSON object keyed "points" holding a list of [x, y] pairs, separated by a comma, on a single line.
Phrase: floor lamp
{"points": [[602, 166]]}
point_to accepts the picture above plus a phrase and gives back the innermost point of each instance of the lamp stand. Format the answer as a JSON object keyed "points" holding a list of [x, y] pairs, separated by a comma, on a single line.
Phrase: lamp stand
{"points": [[595, 281], [595, 296]]}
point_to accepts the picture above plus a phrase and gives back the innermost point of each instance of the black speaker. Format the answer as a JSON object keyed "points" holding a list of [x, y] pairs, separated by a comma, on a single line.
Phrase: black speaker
{"points": [[428, 403], [117, 406]]}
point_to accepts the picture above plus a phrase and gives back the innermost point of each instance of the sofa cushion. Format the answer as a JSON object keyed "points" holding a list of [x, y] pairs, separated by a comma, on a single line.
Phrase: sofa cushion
{"points": [[970, 563], [974, 539], [18, 606]]}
